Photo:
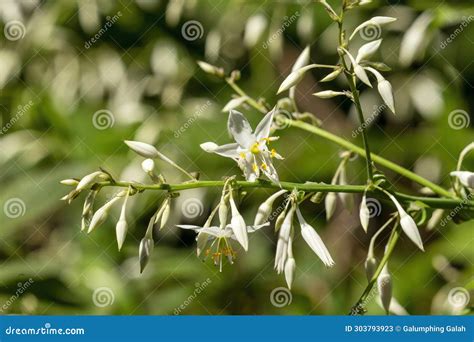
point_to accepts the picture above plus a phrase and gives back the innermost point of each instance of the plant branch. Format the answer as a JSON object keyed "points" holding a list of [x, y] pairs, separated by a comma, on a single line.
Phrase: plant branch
{"points": [[307, 187]]}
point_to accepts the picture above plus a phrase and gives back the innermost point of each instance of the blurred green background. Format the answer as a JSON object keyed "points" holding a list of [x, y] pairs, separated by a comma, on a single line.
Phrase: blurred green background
{"points": [[79, 77]]}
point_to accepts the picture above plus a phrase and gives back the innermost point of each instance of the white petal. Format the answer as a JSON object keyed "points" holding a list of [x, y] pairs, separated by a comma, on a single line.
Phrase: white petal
{"points": [[384, 285], [375, 21], [302, 60], [238, 226], [227, 150], [283, 240], [264, 210], [188, 226], [368, 50], [465, 177], [240, 129], [202, 239], [254, 228], [209, 146], [385, 90], [234, 103], [88, 180], [330, 204], [263, 128], [143, 149], [290, 267], [408, 224], [364, 214], [362, 75], [314, 241]]}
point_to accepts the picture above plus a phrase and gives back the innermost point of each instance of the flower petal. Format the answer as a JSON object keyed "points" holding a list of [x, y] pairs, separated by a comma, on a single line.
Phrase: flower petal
{"points": [[263, 127], [465, 177], [240, 129], [238, 226], [314, 241], [227, 150]]}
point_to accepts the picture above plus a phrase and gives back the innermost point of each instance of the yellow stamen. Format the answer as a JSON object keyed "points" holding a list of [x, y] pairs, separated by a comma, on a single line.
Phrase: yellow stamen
{"points": [[264, 166], [255, 149], [255, 167]]}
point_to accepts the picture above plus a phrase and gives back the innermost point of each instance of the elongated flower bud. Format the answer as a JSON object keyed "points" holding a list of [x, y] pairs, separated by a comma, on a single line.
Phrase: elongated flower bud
{"points": [[122, 226], [293, 78], [384, 285], [234, 103], [330, 204], [302, 60], [385, 90], [364, 213], [211, 69], [87, 211], [279, 221], [375, 21], [408, 224], [327, 94], [71, 182], [166, 213], [144, 252], [209, 146], [370, 267], [223, 212], [90, 179], [283, 239], [143, 149], [101, 214], [290, 267], [265, 209], [331, 76]]}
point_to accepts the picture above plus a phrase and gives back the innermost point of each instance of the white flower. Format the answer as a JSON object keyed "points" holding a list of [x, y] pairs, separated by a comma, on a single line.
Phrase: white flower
{"points": [[250, 150], [408, 224], [375, 21], [367, 50], [465, 177], [223, 247], [358, 69], [385, 89], [314, 241]]}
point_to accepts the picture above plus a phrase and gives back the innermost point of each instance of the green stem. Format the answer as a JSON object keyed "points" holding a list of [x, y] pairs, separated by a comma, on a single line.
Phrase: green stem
{"points": [[359, 306], [258, 106], [377, 159], [307, 187]]}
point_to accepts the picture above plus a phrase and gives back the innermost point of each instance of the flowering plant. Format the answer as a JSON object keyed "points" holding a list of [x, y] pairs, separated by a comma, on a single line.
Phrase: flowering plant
{"points": [[258, 161]]}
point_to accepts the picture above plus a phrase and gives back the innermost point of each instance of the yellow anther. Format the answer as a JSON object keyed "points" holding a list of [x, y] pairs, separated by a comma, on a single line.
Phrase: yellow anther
{"points": [[264, 166], [255, 167], [255, 149], [242, 155], [273, 153]]}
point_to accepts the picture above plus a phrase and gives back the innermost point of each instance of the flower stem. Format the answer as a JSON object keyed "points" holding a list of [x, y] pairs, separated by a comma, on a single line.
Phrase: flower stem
{"points": [[307, 187], [260, 107], [359, 306]]}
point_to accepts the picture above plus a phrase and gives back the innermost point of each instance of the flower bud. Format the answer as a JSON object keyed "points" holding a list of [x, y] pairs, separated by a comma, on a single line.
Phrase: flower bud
{"points": [[144, 252], [166, 213], [368, 50], [332, 75], [234, 103], [327, 94], [384, 285], [330, 204], [385, 90], [208, 146], [290, 266], [143, 149], [90, 179], [148, 165], [279, 221], [121, 232], [370, 267], [211, 69], [71, 182], [101, 215], [364, 214], [265, 209], [293, 78]]}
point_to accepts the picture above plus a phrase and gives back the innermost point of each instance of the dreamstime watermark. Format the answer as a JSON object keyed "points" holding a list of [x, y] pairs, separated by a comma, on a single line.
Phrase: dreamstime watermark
{"points": [[110, 21], [21, 110], [375, 113], [191, 120], [199, 288], [371, 32], [103, 119], [192, 30], [459, 119], [22, 287], [465, 21], [458, 297], [374, 207], [287, 21], [46, 330], [14, 208], [456, 210], [192, 208], [14, 30], [280, 297], [103, 296]]}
